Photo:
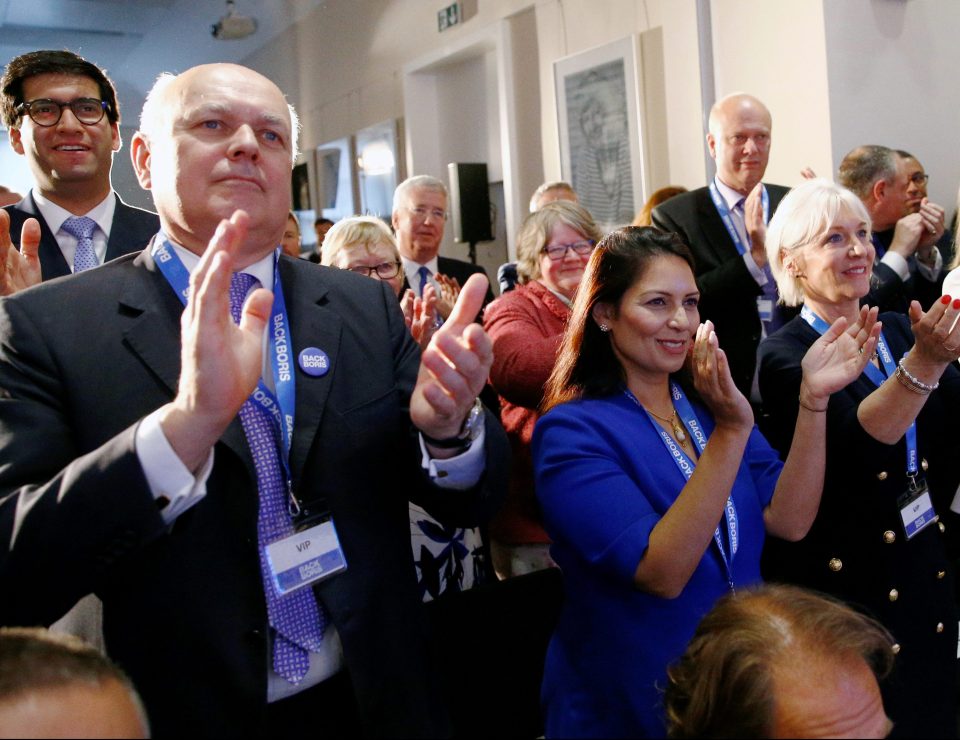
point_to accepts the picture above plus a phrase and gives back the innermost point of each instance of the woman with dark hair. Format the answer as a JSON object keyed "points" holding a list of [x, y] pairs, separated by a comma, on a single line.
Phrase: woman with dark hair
{"points": [[650, 523]]}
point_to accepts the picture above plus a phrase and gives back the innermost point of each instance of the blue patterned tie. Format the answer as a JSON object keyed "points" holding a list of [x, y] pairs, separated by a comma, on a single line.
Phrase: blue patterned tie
{"points": [[82, 228], [296, 617], [424, 278]]}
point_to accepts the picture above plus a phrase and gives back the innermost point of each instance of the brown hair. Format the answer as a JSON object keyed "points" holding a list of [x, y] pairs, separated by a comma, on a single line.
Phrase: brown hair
{"points": [[723, 685], [586, 364], [50, 62], [535, 233], [659, 196], [33, 659]]}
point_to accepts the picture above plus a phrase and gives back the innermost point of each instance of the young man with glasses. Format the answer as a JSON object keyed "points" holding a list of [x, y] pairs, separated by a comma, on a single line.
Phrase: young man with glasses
{"points": [[419, 218], [62, 115]]}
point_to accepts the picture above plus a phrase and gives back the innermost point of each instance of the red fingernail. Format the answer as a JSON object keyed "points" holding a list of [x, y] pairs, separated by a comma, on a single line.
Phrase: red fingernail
{"points": [[956, 303], [945, 300]]}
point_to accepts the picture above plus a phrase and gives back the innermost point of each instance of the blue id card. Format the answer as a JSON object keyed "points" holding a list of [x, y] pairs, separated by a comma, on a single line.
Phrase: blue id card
{"points": [[306, 557]]}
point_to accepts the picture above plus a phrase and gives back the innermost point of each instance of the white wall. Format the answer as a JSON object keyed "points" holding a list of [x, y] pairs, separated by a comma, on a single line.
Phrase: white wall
{"points": [[892, 72], [835, 73], [777, 52], [351, 56]]}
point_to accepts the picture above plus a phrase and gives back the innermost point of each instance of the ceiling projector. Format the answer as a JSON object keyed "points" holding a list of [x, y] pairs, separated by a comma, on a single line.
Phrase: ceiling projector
{"points": [[233, 26]]}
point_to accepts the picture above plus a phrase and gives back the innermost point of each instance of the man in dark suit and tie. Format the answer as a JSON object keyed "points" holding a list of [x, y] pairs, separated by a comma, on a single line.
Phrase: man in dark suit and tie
{"points": [[724, 224], [419, 217], [906, 228], [62, 115], [232, 478]]}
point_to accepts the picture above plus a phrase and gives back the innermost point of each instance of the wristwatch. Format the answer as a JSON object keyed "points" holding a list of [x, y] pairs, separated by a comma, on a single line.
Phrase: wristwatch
{"points": [[470, 430]]}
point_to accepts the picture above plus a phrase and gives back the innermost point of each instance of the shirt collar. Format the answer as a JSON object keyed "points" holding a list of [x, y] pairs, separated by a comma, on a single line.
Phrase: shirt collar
{"points": [[54, 215], [262, 269], [412, 269], [730, 196]]}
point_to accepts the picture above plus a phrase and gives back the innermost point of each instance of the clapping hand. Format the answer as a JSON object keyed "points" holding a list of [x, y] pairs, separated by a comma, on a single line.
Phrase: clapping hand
{"points": [[454, 366], [19, 269], [420, 314], [712, 379], [220, 361], [755, 225], [936, 333], [449, 290], [838, 357]]}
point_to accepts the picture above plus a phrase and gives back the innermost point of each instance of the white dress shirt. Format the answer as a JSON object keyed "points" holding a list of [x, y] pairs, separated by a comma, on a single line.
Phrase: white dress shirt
{"points": [[54, 215]]}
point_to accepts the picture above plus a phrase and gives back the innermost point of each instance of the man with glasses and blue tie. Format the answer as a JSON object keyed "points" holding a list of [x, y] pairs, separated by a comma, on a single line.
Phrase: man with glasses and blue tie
{"points": [[62, 115], [419, 217]]}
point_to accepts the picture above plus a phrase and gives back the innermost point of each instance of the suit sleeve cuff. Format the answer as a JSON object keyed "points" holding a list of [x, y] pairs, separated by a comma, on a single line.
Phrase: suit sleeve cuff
{"points": [[755, 270], [897, 263], [460, 472], [173, 486]]}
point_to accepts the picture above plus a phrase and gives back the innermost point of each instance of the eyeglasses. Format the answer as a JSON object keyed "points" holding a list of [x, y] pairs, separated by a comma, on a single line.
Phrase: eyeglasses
{"points": [[385, 270], [557, 252], [46, 112], [919, 178], [421, 214]]}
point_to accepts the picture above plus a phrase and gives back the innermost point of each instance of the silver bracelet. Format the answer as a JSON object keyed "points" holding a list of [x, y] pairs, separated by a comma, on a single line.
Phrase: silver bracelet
{"points": [[913, 383]]}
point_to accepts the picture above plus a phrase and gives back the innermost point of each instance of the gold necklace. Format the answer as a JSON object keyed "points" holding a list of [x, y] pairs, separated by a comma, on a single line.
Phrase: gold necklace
{"points": [[674, 423]]}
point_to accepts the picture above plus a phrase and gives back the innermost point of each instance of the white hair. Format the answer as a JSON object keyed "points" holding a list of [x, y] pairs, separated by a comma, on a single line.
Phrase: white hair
{"points": [[417, 182], [805, 213]]}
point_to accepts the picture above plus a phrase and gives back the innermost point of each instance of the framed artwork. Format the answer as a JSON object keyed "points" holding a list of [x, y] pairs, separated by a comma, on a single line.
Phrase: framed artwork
{"points": [[377, 167], [301, 188], [598, 111], [335, 179]]}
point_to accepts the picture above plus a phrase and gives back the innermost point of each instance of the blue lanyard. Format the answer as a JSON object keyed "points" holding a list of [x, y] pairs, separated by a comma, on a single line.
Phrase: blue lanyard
{"points": [[724, 211], [280, 405], [686, 465], [876, 377]]}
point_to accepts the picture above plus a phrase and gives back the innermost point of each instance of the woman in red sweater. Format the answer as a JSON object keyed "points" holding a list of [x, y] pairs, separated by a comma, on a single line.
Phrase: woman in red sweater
{"points": [[526, 325]]}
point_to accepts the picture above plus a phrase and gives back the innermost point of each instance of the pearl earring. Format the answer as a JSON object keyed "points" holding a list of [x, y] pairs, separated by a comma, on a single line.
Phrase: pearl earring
{"points": [[604, 328]]}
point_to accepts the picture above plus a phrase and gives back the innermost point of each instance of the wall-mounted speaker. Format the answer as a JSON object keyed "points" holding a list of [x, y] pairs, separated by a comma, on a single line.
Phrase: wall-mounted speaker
{"points": [[470, 202]]}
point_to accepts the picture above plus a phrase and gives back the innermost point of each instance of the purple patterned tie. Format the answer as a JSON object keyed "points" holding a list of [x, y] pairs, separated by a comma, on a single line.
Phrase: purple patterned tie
{"points": [[82, 228], [296, 617]]}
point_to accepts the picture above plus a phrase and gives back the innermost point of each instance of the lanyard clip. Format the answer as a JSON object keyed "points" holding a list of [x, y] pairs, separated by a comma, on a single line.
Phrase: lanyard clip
{"points": [[293, 506]]}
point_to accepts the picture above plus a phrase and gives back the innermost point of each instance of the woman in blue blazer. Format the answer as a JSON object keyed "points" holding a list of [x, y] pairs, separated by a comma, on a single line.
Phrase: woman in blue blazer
{"points": [[650, 524]]}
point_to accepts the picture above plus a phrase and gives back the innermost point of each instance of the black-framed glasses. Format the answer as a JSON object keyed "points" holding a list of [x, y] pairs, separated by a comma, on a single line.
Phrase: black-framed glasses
{"points": [[919, 178], [421, 213], [557, 252], [47, 112], [385, 270]]}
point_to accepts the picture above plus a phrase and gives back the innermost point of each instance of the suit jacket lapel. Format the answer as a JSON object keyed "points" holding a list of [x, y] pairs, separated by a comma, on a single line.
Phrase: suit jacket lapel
{"points": [[52, 263], [120, 236], [154, 335], [715, 232], [312, 325]]}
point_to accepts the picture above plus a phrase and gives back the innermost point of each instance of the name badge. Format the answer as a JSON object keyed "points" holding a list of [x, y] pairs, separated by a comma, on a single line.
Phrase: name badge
{"points": [[306, 557], [765, 308], [916, 509]]}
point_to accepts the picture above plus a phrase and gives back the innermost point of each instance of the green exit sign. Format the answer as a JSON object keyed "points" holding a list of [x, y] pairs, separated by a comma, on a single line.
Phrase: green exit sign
{"points": [[449, 16]]}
